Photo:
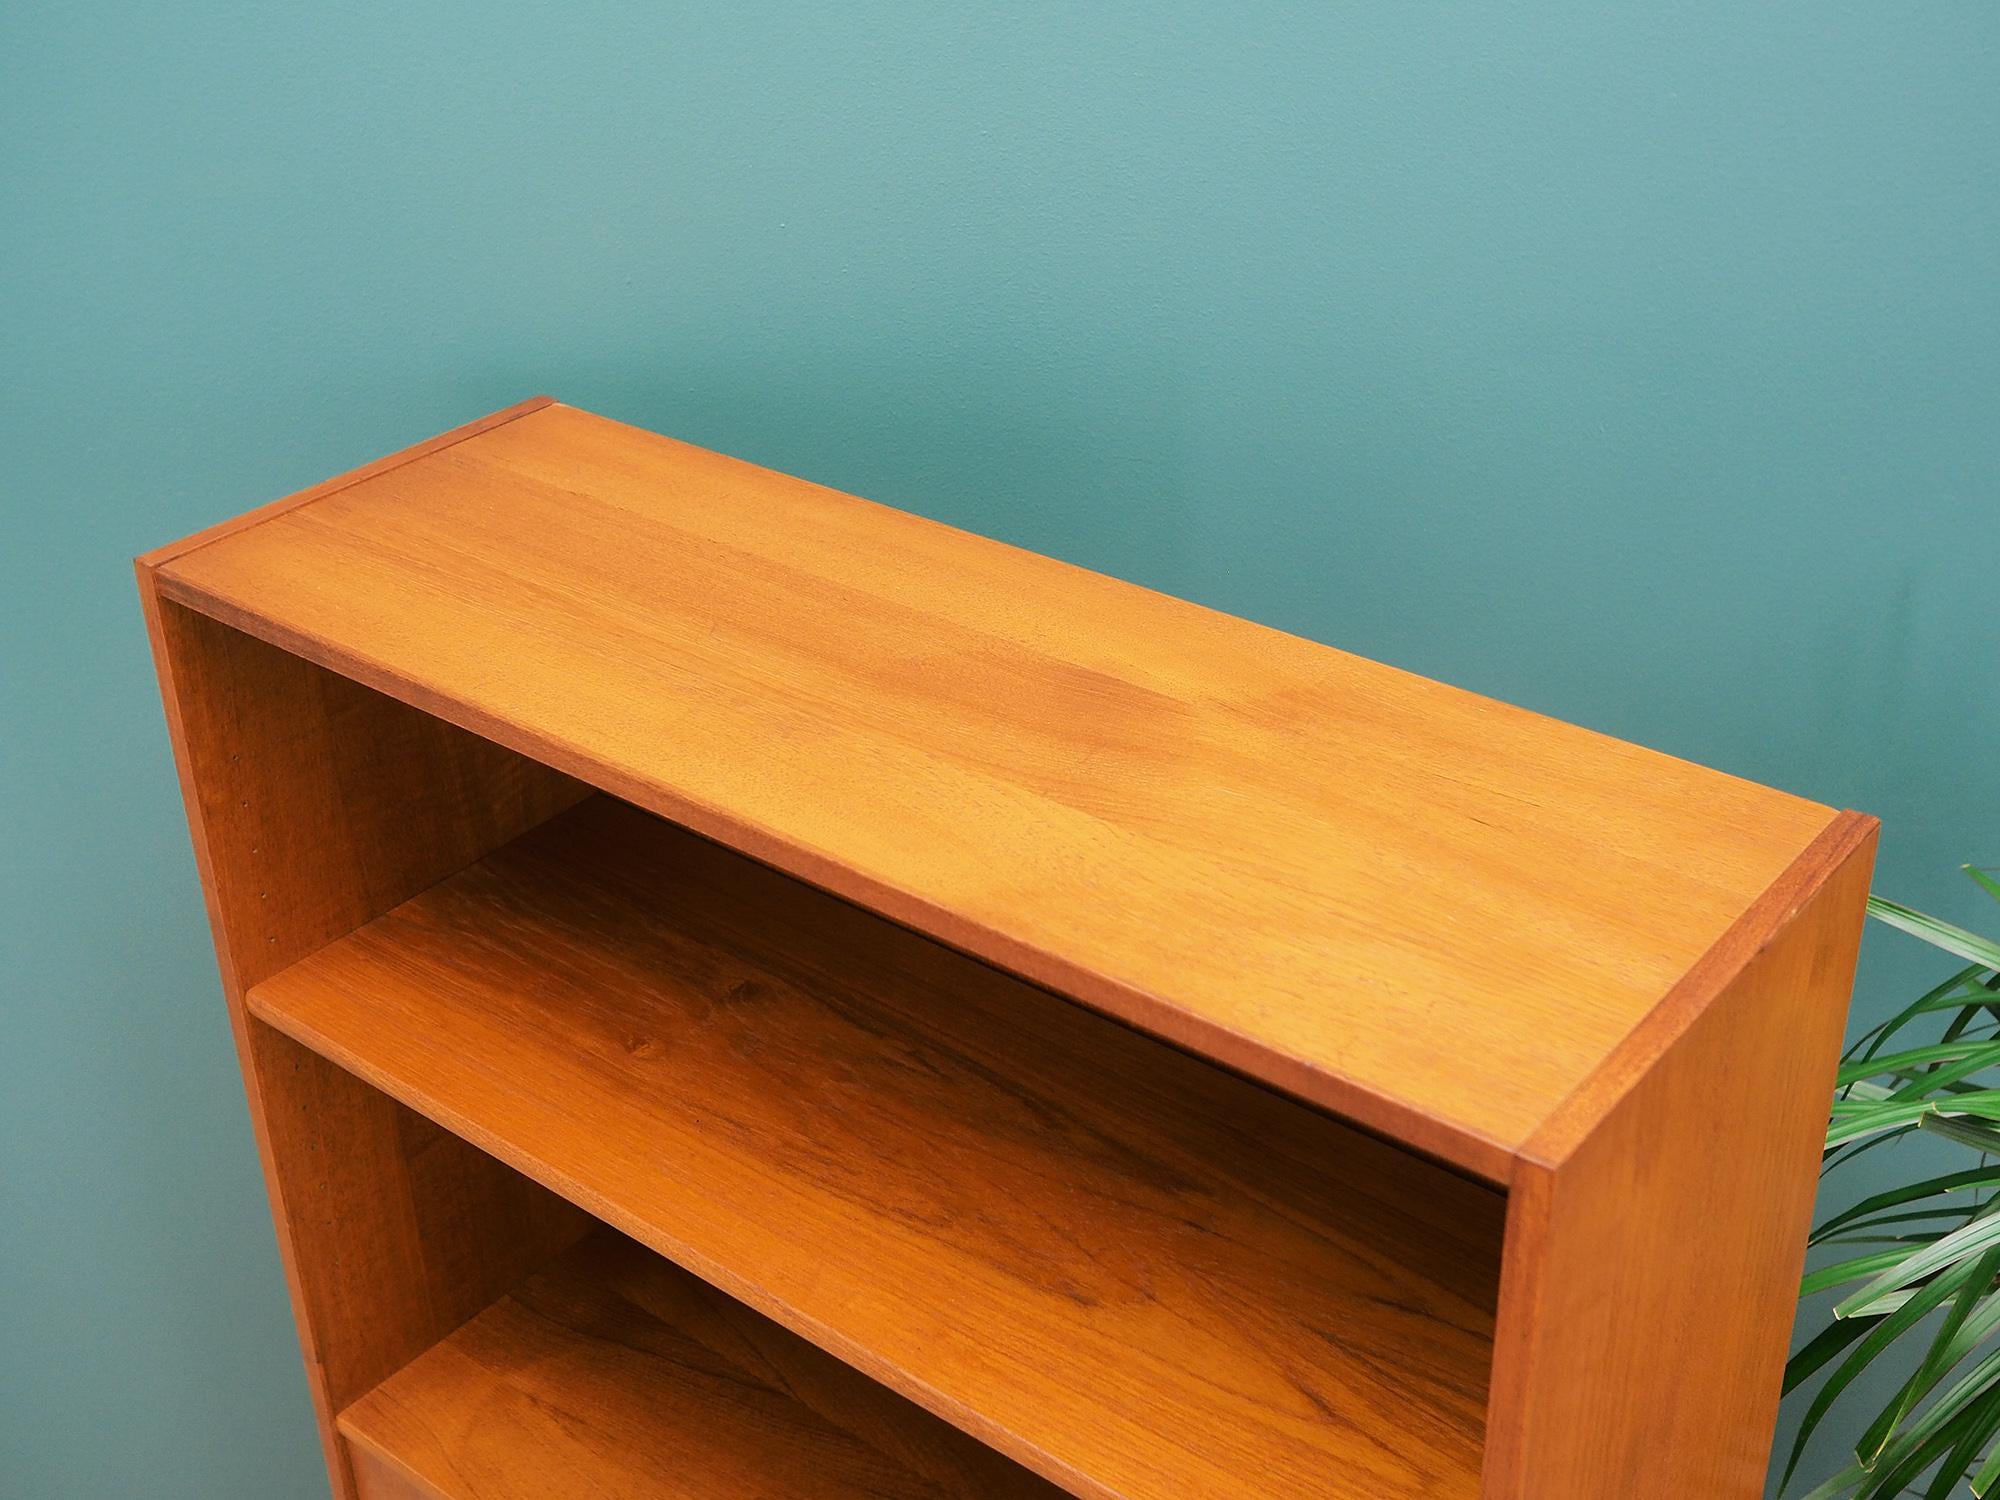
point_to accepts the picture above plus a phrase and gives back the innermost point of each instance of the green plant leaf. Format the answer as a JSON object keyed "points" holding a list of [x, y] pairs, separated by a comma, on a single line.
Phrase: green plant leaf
{"points": [[1841, 1484], [1985, 879], [1975, 1284], [1871, 1118], [1979, 1419], [1839, 1274], [1817, 1354], [1939, 1236], [1880, 1337], [1947, 1409], [1977, 1330], [1966, 1132], [1854, 1119], [1907, 1061], [1977, 1434], [1961, 1245], [1982, 1103], [1858, 1233], [1950, 1075], [1872, 1040], [1939, 934], [1915, 1192], [1989, 1471]]}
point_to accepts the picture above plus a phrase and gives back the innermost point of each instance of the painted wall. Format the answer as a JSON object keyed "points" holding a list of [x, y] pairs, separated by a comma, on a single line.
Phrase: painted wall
{"points": [[1638, 363]]}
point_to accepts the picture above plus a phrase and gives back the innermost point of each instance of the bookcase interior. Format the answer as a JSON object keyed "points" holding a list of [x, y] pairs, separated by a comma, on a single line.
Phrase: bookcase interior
{"points": [[1115, 1264]]}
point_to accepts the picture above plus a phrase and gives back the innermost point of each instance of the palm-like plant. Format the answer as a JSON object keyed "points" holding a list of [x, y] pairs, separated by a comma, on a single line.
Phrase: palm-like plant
{"points": [[1928, 1281]]}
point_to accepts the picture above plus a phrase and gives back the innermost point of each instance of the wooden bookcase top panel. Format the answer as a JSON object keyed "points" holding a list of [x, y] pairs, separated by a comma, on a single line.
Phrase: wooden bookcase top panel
{"points": [[1435, 914], [1137, 1274]]}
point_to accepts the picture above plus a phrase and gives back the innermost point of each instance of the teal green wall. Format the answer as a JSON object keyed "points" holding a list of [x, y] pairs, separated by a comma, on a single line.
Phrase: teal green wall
{"points": [[1638, 363]]}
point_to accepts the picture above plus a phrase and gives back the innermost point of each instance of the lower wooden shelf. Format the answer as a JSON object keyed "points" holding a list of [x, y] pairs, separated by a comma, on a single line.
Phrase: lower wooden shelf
{"points": [[614, 1373], [1135, 1274]]}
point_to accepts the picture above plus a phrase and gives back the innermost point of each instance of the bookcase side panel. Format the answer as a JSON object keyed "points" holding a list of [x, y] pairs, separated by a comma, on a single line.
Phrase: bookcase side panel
{"points": [[316, 804], [1655, 1239]]}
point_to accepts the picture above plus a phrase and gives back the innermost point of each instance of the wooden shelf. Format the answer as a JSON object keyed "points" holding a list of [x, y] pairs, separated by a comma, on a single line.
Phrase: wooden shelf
{"points": [[1134, 1273], [611, 1373], [1270, 851], [1175, 1058]]}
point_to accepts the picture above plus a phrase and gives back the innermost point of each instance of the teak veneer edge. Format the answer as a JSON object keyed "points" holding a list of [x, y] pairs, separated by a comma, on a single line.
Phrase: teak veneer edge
{"points": [[1659, 1224], [1572, 1121], [159, 557]]}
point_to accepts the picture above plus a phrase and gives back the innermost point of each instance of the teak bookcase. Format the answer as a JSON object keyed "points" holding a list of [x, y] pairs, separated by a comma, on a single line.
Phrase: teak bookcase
{"points": [[748, 993]]}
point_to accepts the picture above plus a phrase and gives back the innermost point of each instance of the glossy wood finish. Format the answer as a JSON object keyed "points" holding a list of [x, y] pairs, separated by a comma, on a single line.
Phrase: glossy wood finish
{"points": [[1139, 1275], [380, 1478], [400, 1230], [1657, 1230], [315, 805], [1606, 982], [150, 562], [613, 1373], [1433, 913], [318, 803]]}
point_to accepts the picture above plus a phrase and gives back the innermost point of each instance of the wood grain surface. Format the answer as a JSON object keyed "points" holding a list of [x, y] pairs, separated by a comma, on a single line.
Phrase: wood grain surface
{"points": [[1431, 912], [380, 1478], [151, 561], [1139, 1275], [1657, 1229], [316, 804], [613, 1373]]}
